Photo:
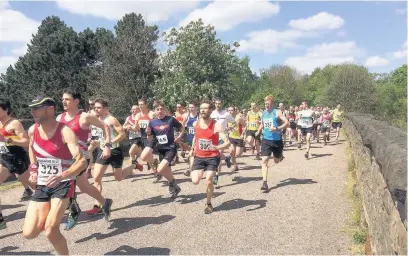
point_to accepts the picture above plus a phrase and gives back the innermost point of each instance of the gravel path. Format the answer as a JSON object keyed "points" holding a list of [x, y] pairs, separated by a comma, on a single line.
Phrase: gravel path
{"points": [[305, 212]]}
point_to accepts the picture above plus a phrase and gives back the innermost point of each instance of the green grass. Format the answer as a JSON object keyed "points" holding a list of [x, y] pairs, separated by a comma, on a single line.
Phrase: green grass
{"points": [[356, 226]]}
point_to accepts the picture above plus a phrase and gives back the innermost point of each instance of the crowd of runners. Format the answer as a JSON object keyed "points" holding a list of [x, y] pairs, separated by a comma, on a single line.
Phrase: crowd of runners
{"points": [[59, 153]]}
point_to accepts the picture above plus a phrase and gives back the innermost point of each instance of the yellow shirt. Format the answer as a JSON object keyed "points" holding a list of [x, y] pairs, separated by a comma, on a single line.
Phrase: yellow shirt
{"points": [[337, 116], [253, 121]]}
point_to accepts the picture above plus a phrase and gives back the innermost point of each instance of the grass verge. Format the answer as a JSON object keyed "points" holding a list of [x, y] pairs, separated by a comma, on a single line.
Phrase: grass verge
{"points": [[10, 185], [356, 227]]}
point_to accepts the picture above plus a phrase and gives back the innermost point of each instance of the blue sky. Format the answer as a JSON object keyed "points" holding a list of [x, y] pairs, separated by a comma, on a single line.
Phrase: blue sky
{"points": [[304, 35]]}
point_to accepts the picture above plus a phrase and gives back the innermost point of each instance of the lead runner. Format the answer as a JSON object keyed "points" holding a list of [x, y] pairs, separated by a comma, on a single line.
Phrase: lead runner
{"points": [[55, 159]]}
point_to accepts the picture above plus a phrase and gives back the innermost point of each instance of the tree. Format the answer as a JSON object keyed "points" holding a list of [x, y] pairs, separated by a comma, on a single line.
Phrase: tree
{"points": [[353, 87], [54, 61], [198, 65], [128, 64]]}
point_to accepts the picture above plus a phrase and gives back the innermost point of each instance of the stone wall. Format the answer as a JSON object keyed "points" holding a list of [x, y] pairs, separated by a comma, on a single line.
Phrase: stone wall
{"points": [[380, 155]]}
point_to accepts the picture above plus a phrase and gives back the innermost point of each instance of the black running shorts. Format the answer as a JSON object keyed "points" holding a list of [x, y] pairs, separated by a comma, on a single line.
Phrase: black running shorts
{"points": [[252, 134], [305, 131], [16, 164], [65, 189], [137, 141], [336, 125], [237, 142], [269, 147], [206, 163], [115, 159]]}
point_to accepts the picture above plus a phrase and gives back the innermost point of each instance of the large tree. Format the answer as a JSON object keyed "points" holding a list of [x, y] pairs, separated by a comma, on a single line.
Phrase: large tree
{"points": [[198, 65], [128, 63]]}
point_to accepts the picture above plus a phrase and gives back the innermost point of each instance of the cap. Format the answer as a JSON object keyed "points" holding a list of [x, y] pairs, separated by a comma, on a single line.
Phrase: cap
{"points": [[41, 101]]}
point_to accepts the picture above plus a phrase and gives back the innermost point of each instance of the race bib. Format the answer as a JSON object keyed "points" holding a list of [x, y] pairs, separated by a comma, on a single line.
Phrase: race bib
{"points": [[291, 120], [268, 123], [253, 124], [191, 130], [97, 132], [3, 148], [143, 124], [204, 144], [326, 123], [162, 139], [46, 168], [307, 121], [133, 135]]}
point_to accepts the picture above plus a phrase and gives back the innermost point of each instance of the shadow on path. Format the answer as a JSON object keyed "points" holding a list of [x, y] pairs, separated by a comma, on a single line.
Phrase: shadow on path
{"points": [[292, 181], [8, 250], [11, 234], [124, 225], [240, 203], [10, 206], [15, 216], [241, 180], [320, 155], [128, 250]]}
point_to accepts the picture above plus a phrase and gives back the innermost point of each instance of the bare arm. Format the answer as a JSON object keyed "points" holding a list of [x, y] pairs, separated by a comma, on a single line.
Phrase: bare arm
{"points": [[126, 125], [69, 137], [218, 129], [284, 119], [33, 159], [22, 140], [118, 128]]}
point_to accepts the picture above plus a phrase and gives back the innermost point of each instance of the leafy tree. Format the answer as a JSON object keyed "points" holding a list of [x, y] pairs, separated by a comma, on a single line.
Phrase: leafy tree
{"points": [[198, 65], [128, 64]]}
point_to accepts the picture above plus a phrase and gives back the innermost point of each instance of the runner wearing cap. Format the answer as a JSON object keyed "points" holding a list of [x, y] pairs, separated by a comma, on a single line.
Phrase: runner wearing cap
{"points": [[55, 159]]}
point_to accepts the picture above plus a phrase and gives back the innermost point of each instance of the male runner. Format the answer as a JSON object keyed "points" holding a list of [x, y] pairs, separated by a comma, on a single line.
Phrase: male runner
{"points": [[142, 122], [162, 129], [116, 157], [206, 152], [91, 104], [135, 137], [80, 123], [306, 117], [272, 138], [13, 156], [337, 120], [284, 112], [325, 127], [190, 118], [292, 124], [179, 115], [253, 123], [55, 159], [236, 137], [222, 117]]}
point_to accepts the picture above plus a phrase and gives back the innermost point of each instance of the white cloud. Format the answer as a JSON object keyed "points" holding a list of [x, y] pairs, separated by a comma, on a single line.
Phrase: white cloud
{"points": [[341, 33], [20, 51], [403, 53], [6, 61], [376, 61], [401, 11], [320, 21], [14, 25], [269, 41], [151, 11], [324, 54], [225, 15]]}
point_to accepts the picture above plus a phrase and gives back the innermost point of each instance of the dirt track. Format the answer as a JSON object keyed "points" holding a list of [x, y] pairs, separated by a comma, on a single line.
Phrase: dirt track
{"points": [[304, 212]]}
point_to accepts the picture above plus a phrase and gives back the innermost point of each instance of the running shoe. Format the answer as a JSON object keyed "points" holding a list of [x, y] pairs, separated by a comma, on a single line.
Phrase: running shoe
{"points": [[264, 186], [73, 216], [106, 208], [3, 224], [174, 189], [215, 180], [26, 194], [208, 209], [94, 211], [228, 161]]}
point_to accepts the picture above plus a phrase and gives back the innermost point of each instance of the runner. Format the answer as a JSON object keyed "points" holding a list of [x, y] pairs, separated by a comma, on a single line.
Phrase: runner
{"points": [[272, 141], [135, 138], [325, 127], [80, 123], [337, 120], [190, 118], [91, 104], [13, 156], [116, 155], [236, 137], [284, 112], [142, 122], [162, 129], [306, 118], [55, 159], [316, 123], [222, 117], [206, 152], [253, 123], [292, 124], [180, 116]]}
